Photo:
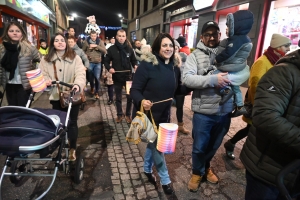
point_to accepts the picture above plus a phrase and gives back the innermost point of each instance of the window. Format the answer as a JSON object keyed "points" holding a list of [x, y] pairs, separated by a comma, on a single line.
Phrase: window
{"points": [[138, 8], [155, 3], [132, 9], [145, 5]]}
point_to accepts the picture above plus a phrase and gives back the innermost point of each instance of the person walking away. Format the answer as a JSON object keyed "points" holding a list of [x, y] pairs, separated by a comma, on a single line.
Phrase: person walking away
{"points": [[17, 57], [94, 48], [211, 121], [69, 69], [279, 46], [151, 75], [273, 141], [119, 61], [179, 99]]}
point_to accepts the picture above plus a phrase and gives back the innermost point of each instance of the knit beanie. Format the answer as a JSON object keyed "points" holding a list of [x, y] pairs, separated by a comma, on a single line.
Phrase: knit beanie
{"points": [[181, 41], [176, 43], [279, 40]]}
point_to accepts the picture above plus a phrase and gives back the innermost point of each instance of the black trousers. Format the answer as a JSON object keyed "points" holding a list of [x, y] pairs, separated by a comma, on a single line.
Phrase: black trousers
{"points": [[240, 134], [118, 86], [16, 95], [110, 91], [73, 127], [179, 107]]}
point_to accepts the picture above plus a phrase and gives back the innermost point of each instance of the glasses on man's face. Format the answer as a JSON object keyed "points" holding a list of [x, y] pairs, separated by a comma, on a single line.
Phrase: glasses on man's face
{"points": [[208, 36]]}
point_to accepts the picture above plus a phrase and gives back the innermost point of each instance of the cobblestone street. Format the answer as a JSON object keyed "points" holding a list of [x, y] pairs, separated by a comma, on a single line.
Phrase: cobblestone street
{"points": [[114, 167]]}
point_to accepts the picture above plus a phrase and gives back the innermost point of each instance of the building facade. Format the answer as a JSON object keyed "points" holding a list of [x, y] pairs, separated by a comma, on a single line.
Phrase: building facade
{"points": [[186, 17]]}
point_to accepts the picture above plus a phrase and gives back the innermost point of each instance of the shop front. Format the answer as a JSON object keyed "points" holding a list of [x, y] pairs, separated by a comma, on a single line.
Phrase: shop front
{"points": [[284, 18], [32, 15]]}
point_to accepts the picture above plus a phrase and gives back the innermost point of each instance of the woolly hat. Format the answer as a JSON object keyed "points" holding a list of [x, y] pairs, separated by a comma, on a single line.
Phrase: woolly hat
{"points": [[279, 40], [176, 43], [181, 41]]}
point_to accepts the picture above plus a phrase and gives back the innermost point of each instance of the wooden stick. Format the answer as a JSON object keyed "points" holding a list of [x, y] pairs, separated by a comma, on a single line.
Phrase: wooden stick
{"points": [[123, 71], [170, 99]]}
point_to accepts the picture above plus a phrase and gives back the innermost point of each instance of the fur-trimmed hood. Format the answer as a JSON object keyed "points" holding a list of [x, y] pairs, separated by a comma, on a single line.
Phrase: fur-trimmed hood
{"points": [[149, 57]]}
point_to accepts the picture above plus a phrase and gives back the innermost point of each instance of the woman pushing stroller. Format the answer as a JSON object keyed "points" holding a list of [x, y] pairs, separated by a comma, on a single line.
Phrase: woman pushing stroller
{"points": [[63, 63]]}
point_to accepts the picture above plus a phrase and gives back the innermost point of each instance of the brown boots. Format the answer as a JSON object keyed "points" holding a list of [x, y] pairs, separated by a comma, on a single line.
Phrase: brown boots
{"points": [[182, 129]]}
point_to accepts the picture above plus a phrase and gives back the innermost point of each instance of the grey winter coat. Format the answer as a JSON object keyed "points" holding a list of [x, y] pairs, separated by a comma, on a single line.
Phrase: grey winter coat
{"points": [[206, 96], [28, 58], [82, 55], [274, 139]]}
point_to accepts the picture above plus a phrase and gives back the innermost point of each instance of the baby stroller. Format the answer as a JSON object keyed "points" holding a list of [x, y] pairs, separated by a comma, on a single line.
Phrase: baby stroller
{"points": [[33, 135], [280, 180]]}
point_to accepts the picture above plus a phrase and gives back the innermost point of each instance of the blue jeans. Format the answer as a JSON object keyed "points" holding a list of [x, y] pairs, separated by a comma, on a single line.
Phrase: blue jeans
{"points": [[94, 70], [256, 189], [208, 132], [154, 157]]}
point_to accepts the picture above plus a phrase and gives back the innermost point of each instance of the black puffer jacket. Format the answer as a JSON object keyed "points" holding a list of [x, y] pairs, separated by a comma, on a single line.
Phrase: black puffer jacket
{"points": [[274, 140]]}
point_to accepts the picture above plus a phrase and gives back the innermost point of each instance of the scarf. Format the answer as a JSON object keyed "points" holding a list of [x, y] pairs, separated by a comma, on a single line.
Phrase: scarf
{"points": [[271, 55], [90, 41], [124, 54], [44, 48], [10, 59]]}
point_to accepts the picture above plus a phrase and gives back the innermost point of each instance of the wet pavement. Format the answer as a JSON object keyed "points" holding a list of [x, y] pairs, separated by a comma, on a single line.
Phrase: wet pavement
{"points": [[114, 167]]}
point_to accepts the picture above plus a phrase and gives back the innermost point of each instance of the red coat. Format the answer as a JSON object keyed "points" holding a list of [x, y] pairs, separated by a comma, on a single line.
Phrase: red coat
{"points": [[185, 49]]}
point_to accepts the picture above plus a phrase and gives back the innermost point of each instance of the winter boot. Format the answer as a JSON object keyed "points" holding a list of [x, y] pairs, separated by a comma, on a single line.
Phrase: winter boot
{"points": [[229, 147], [182, 129]]}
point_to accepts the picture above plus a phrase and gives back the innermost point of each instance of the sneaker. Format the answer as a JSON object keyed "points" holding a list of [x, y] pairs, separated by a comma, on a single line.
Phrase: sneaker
{"points": [[229, 148], [109, 102], [211, 177], [96, 96], [119, 119], [128, 119], [151, 178], [168, 189], [228, 93], [92, 91], [240, 110], [72, 155], [194, 183]]}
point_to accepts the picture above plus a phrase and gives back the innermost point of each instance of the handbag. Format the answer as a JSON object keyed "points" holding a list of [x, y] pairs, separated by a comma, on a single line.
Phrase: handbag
{"points": [[141, 128], [64, 96]]}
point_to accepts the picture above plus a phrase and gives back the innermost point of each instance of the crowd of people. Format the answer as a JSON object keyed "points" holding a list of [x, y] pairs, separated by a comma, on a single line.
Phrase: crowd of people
{"points": [[212, 73]]}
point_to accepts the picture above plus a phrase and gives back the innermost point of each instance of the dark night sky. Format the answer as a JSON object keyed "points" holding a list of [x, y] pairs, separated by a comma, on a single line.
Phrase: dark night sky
{"points": [[105, 11]]}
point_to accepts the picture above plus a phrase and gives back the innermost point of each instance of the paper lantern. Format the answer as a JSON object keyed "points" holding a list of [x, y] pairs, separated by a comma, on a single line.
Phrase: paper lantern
{"points": [[167, 135], [36, 80]]}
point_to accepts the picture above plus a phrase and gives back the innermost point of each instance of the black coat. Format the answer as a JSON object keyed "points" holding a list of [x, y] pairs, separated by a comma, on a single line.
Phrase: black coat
{"points": [[274, 140], [114, 55], [156, 83]]}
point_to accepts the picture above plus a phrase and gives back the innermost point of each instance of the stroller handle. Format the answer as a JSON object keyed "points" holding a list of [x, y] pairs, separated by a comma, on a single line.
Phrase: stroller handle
{"points": [[282, 173], [62, 83]]}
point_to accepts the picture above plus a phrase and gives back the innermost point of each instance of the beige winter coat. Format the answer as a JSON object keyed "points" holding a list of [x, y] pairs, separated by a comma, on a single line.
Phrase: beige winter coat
{"points": [[68, 71]]}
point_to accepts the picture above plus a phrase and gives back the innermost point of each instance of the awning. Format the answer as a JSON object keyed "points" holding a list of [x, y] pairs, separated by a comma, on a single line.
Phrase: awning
{"points": [[176, 5]]}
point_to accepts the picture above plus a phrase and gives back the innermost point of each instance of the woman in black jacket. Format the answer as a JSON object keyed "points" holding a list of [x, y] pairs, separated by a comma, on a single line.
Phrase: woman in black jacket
{"points": [[156, 80]]}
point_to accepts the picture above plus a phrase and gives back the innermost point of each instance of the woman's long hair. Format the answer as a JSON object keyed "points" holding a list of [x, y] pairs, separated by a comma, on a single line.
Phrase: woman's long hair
{"points": [[6, 38], [69, 53], [157, 43]]}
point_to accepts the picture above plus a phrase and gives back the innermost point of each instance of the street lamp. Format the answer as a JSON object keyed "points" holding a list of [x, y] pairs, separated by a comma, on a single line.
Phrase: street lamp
{"points": [[74, 15]]}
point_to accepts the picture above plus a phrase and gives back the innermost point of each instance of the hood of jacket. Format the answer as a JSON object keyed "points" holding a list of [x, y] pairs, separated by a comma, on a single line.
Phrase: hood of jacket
{"points": [[240, 22], [149, 57]]}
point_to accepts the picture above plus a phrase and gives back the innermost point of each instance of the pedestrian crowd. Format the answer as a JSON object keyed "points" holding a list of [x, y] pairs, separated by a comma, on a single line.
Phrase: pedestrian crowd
{"points": [[166, 70]]}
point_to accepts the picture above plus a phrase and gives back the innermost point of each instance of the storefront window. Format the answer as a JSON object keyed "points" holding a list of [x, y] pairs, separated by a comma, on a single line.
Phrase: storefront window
{"points": [[150, 33], [284, 18]]}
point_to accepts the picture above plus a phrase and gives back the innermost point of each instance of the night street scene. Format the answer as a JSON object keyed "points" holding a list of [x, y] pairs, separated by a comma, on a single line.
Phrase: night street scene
{"points": [[158, 100]]}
